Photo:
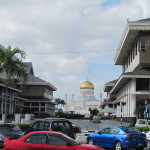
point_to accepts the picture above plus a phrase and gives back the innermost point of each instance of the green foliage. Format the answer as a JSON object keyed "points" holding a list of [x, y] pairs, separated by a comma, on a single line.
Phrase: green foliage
{"points": [[139, 109], [76, 129], [24, 127], [143, 128], [94, 111]]}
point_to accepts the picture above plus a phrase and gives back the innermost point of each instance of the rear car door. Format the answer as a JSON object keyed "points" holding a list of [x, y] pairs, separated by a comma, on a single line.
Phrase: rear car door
{"points": [[35, 142], [55, 142], [63, 127]]}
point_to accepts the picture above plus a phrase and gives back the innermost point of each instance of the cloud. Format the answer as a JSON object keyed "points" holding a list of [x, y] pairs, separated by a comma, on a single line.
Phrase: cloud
{"points": [[55, 26]]}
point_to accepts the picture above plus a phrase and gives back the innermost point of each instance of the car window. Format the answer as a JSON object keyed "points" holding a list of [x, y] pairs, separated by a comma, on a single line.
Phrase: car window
{"points": [[56, 140], [59, 126], [35, 125], [9, 127], [130, 130], [114, 131], [148, 122], [36, 138], [141, 121], [105, 131]]}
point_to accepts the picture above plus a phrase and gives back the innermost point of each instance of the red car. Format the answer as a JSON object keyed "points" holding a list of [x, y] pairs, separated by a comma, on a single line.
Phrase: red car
{"points": [[46, 140]]}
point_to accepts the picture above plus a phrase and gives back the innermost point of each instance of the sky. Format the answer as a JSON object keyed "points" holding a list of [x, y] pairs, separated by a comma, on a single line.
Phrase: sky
{"points": [[70, 41]]}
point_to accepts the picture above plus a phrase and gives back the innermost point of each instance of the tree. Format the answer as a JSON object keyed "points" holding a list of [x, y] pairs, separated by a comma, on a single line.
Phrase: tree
{"points": [[59, 101], [93, 111], [13, 67]]}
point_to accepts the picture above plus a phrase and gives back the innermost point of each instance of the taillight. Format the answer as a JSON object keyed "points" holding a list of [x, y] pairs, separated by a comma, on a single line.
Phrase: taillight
{"points": [[50, 130], [130, 137]]}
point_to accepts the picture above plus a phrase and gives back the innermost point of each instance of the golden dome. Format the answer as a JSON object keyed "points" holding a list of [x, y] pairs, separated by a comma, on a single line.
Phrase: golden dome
{"points": [[87, 85]]}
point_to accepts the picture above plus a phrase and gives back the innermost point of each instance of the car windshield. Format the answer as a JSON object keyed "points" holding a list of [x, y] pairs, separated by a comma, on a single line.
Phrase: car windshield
{"points": [[130, 130], [70, 139], [9, 127]]}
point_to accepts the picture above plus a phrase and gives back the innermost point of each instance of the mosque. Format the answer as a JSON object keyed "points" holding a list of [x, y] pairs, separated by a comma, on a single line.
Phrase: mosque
{"points": [[85, 101]]}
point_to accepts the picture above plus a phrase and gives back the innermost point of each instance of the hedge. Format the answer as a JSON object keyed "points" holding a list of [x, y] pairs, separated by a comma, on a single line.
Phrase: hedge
{"points": [[143, 128], [24, 127]]}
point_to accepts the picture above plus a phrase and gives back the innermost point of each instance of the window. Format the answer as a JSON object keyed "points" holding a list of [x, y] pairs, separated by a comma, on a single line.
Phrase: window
{"points": [[142, 84], [36, 89], [142, 44], [55, 140], [105, 131], [59, 126], [37, 138], [114, 131]]}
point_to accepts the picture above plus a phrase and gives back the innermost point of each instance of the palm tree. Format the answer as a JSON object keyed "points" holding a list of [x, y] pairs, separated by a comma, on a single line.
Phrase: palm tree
{"points": [[57, 101], [13, 67], [62, 103]]}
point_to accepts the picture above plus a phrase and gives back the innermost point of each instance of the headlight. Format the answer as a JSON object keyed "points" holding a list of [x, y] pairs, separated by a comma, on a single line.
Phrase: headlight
{"points": [[1, 137]]}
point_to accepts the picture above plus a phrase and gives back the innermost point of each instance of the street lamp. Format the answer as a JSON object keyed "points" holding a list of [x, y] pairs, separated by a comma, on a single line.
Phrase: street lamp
{"points": [[121, 104]]}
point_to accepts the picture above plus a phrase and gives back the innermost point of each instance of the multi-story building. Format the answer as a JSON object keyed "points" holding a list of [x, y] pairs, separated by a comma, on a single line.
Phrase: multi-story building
{"points": [[36, 95], [132, 88], [38, 92]]}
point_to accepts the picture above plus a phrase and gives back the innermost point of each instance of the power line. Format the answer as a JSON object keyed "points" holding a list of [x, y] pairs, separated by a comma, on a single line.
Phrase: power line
{"points": [[70, 52]]}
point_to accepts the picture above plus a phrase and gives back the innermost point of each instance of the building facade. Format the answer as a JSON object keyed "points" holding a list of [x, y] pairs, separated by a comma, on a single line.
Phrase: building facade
{"points": [[36, 95], [131, 91]]}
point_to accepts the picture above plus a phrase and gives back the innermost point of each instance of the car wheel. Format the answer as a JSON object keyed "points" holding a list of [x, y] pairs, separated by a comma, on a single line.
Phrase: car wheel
{"points": [[118, 146], [91, 141]]}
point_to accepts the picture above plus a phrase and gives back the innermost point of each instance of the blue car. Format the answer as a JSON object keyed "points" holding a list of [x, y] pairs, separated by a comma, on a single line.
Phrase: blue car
{"points": [[118, 138]]}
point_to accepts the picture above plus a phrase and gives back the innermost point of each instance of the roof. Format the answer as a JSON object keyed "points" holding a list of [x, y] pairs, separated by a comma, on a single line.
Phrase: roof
{"points": [[130, 32], [125, 77], [29, 68], [33, 80], [146, 19], [138, 72], [109, 85]]}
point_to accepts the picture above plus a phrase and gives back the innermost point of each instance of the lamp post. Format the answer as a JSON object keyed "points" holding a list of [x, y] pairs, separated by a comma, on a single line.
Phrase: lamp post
{"points": [[121, 104]]}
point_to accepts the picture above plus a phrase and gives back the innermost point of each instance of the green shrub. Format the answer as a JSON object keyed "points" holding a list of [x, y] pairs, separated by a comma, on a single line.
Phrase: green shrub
{"points": [[24, 127], [143, 128], [76, 129]]}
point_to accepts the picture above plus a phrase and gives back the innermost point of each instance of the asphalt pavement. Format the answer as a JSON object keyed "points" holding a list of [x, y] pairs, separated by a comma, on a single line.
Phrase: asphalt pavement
{"points": [[88, 127]]}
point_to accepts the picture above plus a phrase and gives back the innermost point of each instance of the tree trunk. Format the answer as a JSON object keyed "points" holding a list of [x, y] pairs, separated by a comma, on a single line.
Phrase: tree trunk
{"points": [[6, 97]]}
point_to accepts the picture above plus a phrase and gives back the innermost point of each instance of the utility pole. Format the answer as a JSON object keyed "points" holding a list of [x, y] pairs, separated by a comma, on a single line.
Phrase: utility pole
{"points": [[121, 113]]}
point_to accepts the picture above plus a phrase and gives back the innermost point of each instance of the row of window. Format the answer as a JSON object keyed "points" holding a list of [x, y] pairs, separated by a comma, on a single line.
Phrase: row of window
{"points": [[139, 44]]}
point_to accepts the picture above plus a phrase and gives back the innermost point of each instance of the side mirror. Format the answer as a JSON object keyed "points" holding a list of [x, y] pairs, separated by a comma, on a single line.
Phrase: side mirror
{"points": [[99, 132]]}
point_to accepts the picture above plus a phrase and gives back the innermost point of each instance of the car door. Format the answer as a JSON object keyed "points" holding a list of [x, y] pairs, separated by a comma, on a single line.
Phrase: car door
{"points": [[40, 126], [55, 142], [113, 136], [101, 137], [35, 142]]}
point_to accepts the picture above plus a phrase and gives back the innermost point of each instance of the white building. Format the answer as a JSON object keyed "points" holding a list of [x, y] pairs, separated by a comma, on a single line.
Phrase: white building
{"points": [[132, 88], [85, 101]]}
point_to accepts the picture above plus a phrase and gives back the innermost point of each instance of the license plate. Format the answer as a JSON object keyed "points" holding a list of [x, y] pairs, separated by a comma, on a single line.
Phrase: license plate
{"points": [[139, 144]]}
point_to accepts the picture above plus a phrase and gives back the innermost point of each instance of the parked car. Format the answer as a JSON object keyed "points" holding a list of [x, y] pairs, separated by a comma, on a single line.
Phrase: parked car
{"points": [[9, 130], [53, 124], [142, 123], [46, 140], [118, 138]]}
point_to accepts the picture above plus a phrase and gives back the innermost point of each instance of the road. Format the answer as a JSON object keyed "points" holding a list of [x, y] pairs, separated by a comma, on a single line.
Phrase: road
{"points": [[88, 127]]}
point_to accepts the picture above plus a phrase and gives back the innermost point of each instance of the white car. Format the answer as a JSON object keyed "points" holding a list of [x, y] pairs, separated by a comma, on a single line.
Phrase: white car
{"points": [[148, 137], [142, 123]]}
